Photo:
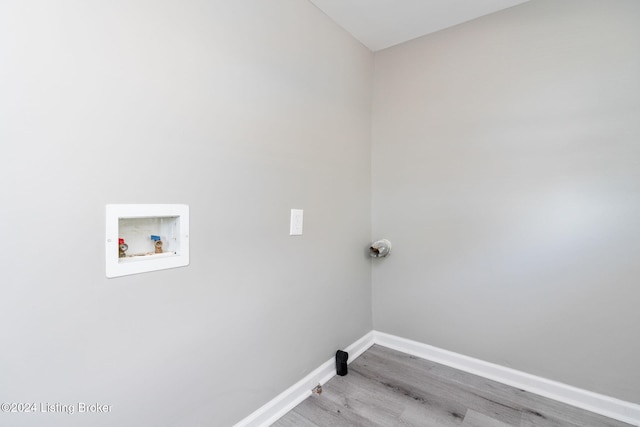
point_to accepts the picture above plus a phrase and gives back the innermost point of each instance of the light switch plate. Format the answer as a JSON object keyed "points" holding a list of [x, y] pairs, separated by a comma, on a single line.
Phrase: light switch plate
{"points": [[296, 222]]}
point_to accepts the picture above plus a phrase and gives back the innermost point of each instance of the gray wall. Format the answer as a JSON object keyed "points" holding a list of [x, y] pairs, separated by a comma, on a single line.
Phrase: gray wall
{"points": [[243, 110], [506, 172]]}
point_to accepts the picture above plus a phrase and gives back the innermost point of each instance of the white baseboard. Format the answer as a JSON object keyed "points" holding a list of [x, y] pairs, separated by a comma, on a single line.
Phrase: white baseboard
{"points": [[590, 401], [600, 404], [288, 399]]}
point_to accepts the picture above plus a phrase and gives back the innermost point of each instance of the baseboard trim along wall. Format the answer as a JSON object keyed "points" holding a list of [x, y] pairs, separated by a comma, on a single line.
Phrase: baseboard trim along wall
{"points": [[600, 404], [590, 401], [291, 397]]}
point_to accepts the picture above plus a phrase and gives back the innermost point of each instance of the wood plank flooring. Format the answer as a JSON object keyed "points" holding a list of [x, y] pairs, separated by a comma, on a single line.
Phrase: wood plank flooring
{"points": [[385, 387]]}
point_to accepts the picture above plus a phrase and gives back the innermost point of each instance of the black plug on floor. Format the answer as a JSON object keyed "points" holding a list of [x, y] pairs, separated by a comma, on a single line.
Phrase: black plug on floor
{"points": [[341, 362]]}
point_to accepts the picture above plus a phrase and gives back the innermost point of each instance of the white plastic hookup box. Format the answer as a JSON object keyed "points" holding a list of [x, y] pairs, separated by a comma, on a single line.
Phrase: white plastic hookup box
{"points": [[143, 238]]}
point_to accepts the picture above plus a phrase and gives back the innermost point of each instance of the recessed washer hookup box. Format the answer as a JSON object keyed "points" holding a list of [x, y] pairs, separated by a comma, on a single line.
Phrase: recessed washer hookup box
{"points": [[142, 238]]}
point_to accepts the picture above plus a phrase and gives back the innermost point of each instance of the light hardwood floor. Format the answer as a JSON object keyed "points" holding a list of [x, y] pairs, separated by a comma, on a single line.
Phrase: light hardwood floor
{"points": [[385, 387]]}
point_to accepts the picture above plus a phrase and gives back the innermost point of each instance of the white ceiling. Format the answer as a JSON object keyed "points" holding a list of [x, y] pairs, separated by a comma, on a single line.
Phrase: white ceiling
{"points": [[379, 24]]}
